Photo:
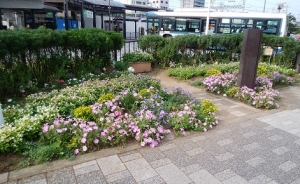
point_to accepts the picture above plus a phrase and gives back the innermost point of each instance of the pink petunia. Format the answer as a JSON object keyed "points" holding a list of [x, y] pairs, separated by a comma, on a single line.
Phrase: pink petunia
{"points": [[76, 151], [84, 148]]}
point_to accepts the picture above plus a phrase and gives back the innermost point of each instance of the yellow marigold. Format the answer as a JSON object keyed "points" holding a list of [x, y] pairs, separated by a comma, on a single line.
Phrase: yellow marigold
{"points": [[207, 107]]}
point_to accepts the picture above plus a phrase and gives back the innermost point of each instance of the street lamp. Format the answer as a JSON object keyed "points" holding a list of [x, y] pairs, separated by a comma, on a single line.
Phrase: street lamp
{"points": [[109, 15], [207, 18]]}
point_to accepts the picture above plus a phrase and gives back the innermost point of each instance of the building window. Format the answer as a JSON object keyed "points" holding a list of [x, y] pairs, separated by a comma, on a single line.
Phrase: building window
{"points": [[153, 1], [161, 2], [156, 1], [166, 2], [144, 3]]}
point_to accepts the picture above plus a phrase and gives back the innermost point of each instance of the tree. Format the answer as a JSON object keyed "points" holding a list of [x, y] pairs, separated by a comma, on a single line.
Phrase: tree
{"points": [[292, 23]]}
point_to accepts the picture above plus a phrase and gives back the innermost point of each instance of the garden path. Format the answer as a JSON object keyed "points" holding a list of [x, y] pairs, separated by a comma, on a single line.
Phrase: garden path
{"points": [[248, 146]]}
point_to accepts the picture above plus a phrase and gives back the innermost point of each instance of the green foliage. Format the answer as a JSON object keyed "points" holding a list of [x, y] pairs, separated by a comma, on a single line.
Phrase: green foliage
{"points": [[44, 55], [133, 57], [232, 92], [262, 71], [121, 66]]}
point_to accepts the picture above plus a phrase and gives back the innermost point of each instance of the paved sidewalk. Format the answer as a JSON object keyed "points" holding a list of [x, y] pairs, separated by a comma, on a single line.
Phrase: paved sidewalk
{"points": [[248, 146]]}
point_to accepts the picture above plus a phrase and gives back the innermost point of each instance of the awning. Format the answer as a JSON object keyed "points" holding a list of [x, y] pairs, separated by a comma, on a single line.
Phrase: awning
{"points": [[21, 4], [115, 4]]}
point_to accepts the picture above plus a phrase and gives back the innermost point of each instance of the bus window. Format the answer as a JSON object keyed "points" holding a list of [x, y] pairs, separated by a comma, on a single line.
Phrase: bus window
{"points": [[168, 23], [180, 24], [152, 26]]}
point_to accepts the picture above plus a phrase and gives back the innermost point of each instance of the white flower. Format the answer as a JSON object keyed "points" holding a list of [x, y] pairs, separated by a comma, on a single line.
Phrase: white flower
{"points": [[224, 95], [9, 100]]}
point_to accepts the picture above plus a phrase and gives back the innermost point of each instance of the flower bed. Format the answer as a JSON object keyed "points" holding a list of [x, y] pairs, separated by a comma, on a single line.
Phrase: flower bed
{"points": [[97, 114]]}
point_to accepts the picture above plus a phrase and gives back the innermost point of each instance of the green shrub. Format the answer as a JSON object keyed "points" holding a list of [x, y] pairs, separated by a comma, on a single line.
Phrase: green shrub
{"points": [[83, 112], [232, 92], [106, 97], [212, 71]]}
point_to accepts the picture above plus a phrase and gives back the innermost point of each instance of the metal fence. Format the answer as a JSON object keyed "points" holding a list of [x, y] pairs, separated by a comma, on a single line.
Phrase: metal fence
{"points": [[129, 46]]}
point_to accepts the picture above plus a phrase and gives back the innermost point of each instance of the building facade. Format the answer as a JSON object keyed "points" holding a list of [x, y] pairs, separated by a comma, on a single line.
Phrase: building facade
{"points": [[161, 4], [192, 3]]}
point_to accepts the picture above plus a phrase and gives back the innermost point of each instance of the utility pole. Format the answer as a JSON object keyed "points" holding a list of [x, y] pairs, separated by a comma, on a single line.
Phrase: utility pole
{"points": [[265, 6]]}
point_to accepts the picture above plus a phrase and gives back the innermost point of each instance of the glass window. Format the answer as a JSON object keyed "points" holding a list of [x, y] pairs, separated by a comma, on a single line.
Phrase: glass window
{"points": [[161, 2], [225, 21], [153, 26], [168, 24], [166, 2], [180, 24]]}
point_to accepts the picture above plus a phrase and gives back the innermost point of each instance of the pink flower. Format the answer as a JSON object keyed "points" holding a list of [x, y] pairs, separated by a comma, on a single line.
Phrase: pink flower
{"points": [[96, 141], [45, 128], [143, 143], [153, 144], [83, 140], [84, 148], [76, 151]]}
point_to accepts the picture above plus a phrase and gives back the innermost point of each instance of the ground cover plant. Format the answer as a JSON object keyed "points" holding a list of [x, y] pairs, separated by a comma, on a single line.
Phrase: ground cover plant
{"points": [[96, 114], [221, 79]]}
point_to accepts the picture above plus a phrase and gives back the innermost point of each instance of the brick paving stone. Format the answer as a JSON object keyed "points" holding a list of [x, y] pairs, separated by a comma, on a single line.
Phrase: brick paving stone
{"points": [[86, 167], [128, 180], [235, 180], [167, 147], [287, 166], [37, 179], [225, 156], [224, 142], [203, 177], [172, 174], [111, 164], [152, 154], [94, 177], [140, 169], [195, 151], [275, 138], [198, 138], [160, 162], [133, 156], [223, 175], [251, 146], [224, 131], [65, 176], [117, 176], [255, 161], [191, 168], [281, 150], [153, 180], [261, 179]]}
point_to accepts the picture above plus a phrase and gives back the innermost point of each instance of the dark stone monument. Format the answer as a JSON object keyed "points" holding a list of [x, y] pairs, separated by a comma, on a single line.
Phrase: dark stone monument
{"points": [[298, 63], [249, 57]]}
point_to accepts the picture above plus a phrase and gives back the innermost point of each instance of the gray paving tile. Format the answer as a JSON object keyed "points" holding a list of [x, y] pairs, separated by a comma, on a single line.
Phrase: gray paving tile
{"points": [[153, 180], [224, 175], [86, 167], [111, 164], [224, 131], [117, 176], [296, 181], [3, 177], [133, 156], [160, 162], [287, 166], [203, 177], [65, 175], [235, 180], [179, 157], [297, 141], [37, 179], [172, 174], [152, 154], [281, 150], [12, 182], [191, 168], [140, 169], [249, 134], [261, 179], [251, 146], [94, 177], [224, 142], [225, 156], [198, 138], [128, 180], [274, 182], [275, 138], [195, 151], [255, 161], [167, 146], [185, 144]]}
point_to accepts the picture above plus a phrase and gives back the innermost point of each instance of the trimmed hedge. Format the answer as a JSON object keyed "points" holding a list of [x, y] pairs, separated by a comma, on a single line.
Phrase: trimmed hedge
{"points": [[44, 55]]}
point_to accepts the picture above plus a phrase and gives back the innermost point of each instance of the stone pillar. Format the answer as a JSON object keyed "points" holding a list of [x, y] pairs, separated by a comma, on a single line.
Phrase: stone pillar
{"points": [[298, 63], [82, 16], [249, 57], [67, 15]]}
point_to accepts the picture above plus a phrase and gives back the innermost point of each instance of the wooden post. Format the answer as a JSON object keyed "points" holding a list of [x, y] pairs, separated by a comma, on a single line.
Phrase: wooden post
{"points": [[298, 63], [249, 57]]}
